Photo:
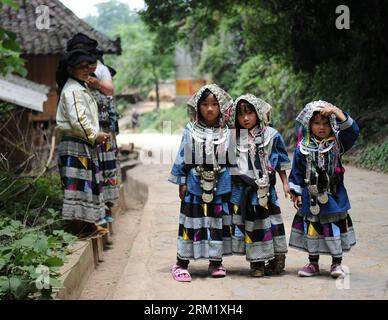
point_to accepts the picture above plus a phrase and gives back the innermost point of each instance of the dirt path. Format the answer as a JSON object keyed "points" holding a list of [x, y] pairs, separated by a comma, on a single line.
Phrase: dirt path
{"points": [[138, 266]]}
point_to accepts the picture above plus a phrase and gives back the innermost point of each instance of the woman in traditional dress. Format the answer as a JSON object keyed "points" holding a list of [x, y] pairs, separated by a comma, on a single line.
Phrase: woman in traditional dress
{"points": [[77, 124]]}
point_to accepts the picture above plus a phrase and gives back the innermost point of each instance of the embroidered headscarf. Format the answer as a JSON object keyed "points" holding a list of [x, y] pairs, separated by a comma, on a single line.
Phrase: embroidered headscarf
{"points": [[309, 145], [306, 114], [262, 108], [225, 101]]}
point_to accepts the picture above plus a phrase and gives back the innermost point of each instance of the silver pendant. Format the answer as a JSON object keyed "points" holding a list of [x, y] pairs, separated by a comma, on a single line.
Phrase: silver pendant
{"points": [[207, 197], [262, 192], [207, 185], [199, 169], [315, 209], [208, 175], [321, 161], [323, 198], [313, 190], [263, 201], [259, 140]]}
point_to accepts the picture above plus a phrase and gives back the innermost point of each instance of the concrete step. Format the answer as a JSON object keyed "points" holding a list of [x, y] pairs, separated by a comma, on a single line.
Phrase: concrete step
{"points": [[76, 271]]}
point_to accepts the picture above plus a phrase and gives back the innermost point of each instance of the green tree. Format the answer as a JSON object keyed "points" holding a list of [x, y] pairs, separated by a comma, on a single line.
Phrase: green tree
{"points": [[348, 67], [144, 61], [110, 15], [145, 58], [10, 60]]}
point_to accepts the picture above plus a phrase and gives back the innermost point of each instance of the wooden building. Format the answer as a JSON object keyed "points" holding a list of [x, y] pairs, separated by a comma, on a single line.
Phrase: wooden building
{"points": [[15, 131], [42, 28]]}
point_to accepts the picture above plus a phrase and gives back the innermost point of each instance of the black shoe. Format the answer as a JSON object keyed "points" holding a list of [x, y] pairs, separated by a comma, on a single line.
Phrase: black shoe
{"points": [[276, 266], [257, 269]]}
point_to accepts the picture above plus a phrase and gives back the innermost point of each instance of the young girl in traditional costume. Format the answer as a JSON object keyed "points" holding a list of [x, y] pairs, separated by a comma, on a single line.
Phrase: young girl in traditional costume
{"points": [[258, 230], [203, 176], [322, 224]]}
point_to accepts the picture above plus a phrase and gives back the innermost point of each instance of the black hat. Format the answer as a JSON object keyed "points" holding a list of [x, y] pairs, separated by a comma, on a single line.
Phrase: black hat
{"points": [[77, 56], [81, 41], [97, 53]]}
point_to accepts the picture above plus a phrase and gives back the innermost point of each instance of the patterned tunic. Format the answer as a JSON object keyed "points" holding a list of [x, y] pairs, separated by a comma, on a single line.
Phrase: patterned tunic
{"points": [[331, 231]]}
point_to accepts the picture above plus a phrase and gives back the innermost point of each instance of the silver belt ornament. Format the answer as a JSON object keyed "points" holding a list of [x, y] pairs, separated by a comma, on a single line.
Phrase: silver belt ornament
{"points": [[207, 197], [207, 185], [315, 209], [323, 198], [208, 182], [320, 197], [262, 183], [313, 190], [262, 194]]}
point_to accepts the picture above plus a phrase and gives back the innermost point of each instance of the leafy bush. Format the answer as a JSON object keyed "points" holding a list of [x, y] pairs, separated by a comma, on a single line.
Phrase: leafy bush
{"points": [[274, 82], [5, 111], [24, 253], [31, 245], [32, 203], [373, 156]]}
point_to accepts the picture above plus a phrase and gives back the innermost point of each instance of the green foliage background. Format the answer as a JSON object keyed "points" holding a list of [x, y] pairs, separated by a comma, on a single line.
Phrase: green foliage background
{"points": [[10, 60], [290, 53], [144, 59]]}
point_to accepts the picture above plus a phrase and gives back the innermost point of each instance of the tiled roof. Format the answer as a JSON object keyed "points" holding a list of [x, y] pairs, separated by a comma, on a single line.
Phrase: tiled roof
{"points": [[23, 92], [63, 25]]}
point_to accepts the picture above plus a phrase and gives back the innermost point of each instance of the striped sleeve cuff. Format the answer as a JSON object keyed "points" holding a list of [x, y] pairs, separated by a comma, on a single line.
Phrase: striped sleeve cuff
{"points": [[294, 187], [177, 180], [285, 166], [345, 124]]}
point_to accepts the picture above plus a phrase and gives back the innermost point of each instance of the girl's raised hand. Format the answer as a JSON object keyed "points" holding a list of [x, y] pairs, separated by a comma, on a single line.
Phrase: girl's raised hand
{"points": [[330, 109]]}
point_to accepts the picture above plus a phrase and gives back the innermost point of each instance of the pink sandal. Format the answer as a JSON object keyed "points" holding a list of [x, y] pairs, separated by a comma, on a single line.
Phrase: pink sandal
{"points": [[217, 271], [180, 274]]}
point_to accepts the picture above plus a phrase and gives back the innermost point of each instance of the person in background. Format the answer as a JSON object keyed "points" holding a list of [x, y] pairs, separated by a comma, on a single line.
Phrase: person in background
{"points": [[135, 119], [107, 152]]}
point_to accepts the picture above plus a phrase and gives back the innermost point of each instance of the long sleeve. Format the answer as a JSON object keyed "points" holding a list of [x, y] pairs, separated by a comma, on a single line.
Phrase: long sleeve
{"points": [[178, 172], [296, 177], [79, 114], [279, 155], [348, 133]]}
